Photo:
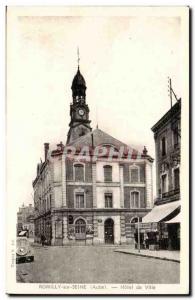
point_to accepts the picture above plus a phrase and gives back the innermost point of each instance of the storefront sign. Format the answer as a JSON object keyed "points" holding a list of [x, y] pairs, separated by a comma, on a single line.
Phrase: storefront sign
{"points": [[147, 226]]}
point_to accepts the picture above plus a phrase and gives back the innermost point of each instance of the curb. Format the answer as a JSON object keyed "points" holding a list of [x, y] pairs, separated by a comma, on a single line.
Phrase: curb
{"points": [[149, 256]]}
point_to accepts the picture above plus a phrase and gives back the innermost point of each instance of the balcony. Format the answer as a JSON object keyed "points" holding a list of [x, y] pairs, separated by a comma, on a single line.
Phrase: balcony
{"points": [[171, 195]]}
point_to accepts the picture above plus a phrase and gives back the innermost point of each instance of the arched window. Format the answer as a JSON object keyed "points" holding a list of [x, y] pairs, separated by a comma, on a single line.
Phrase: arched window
{"points": [[107, 173], [134, 199], [134, 174], [78, 172]]}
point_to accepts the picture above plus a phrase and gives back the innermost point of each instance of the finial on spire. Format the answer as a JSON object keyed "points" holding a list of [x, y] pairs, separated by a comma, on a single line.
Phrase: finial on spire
{"points": [[78, 59]]}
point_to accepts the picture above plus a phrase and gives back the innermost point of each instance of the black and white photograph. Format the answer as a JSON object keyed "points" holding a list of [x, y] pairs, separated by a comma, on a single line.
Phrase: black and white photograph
{"points": [[97, 133]]}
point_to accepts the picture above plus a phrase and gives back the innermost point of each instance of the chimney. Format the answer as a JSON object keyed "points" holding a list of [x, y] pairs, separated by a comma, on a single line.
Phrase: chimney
{"points": [[60, 146], [46, 148]]}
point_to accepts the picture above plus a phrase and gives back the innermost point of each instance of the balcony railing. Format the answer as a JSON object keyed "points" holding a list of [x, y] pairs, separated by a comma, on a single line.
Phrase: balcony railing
{"points": [[171, 193], [166, 195]]}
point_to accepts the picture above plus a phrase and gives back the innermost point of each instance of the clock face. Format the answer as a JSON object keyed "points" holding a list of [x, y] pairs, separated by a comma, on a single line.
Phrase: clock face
{"points": [[81, 112]]}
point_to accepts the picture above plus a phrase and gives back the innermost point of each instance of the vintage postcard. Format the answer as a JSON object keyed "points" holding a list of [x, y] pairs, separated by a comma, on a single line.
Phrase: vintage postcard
{"points": [[97, 150]]}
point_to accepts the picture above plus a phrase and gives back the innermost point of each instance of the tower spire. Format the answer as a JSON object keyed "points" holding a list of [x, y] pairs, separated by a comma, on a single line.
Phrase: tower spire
{"points": [[78, 57]]}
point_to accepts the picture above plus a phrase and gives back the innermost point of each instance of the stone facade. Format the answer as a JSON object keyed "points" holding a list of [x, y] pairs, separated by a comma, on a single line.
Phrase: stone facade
{"points": [[79, 199], [55, 198], [167, 148]]}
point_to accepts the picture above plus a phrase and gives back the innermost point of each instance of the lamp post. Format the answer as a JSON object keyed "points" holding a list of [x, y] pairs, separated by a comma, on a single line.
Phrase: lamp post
{"points": [[138, 232]]}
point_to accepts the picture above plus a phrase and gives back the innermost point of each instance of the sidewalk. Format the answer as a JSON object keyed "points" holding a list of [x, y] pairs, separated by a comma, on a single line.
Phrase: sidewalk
{"points": [[158, 254]]}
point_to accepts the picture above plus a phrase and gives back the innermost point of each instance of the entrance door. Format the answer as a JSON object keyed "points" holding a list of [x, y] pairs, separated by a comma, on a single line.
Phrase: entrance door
{"points": [[109, 231], [80, 229]]}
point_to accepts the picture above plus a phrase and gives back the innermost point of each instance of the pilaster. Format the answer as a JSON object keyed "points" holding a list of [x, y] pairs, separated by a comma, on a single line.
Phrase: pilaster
{"points": [[121, 186], [65, 230], [123, 236], [94, 185], [53, 230], [63, 180], [149, 185]]}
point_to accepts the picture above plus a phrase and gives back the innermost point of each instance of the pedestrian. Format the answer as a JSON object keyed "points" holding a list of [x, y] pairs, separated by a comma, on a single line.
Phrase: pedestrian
{"points": [[43, 238]]}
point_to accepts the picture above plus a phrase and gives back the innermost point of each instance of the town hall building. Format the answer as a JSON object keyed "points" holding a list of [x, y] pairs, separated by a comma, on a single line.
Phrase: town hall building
{"points": [[93, 188]]}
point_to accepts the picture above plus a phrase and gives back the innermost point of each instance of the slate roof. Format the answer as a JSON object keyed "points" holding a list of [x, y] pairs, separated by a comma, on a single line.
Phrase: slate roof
{"points": [[78, 80], [96, 137]]}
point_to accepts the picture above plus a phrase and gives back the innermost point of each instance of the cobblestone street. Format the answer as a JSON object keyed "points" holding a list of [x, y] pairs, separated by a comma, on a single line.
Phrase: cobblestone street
{"points": [[89, 264]]}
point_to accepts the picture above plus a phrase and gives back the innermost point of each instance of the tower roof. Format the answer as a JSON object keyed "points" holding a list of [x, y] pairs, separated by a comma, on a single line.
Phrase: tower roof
{"points": [[78, 81]]}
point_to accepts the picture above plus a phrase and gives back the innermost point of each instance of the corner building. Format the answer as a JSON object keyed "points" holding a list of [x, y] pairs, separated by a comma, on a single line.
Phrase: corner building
{"points": [[164, 219], [82, 195]]}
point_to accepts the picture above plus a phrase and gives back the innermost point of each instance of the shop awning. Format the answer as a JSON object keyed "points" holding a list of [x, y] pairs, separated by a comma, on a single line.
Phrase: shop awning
{"points": [[159, 212], [176, 219]]}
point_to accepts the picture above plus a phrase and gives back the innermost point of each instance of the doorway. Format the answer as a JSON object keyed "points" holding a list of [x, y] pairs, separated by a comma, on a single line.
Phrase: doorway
{"points": [[109, 231], [80, 229]]}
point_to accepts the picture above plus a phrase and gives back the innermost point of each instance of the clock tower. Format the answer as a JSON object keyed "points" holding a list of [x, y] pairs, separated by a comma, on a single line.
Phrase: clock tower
{"points": [[79, 110]]}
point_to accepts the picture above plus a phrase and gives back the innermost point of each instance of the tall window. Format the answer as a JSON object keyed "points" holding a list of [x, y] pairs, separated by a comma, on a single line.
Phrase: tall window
{"points": [[108, 200], [108, 173], [79, 201], [163, 146], [176, 136], [135, 199], [176, 179], [79, 172], [134, 174], [164, 183]]}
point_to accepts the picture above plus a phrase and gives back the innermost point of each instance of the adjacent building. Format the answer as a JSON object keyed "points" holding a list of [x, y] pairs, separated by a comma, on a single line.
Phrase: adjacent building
{"points": [[164, 219], [93, 188], [25, 220]]}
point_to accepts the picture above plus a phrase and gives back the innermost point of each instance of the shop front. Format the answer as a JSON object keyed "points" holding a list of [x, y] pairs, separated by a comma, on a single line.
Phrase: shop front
{"points": [[161, 227], [173, 229]]}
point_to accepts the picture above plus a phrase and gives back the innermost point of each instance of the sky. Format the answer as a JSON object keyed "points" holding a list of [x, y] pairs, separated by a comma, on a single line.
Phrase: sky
{"points": [[125, 60]]}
